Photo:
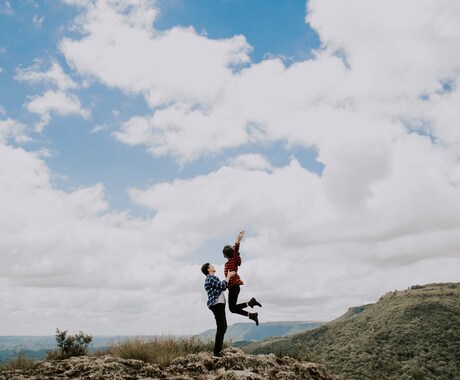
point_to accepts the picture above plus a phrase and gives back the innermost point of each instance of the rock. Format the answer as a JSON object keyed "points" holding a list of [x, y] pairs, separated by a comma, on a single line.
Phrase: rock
{"points": [[234, 365], [87, 367]]}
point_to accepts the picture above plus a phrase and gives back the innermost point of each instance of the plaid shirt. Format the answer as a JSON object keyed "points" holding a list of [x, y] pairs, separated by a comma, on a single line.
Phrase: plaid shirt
{"points": [[232, 266], [214, 287]]}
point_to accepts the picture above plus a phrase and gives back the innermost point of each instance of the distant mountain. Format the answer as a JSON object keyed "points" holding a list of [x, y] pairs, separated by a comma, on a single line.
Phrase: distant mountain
{"points": [[36, 347], [249, 332], [410, 334]]}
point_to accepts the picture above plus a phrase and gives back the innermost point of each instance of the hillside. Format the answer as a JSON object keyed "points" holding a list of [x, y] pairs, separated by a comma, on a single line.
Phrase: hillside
{"points": [[249, 332], [410, 334], [233, 365]]}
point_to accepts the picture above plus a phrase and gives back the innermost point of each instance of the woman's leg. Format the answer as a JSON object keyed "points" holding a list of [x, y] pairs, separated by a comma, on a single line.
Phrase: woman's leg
{"points": [[233, 292]]}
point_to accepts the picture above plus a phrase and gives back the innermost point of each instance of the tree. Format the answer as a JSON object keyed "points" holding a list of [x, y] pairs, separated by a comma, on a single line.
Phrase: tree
{"points": [[71, 345]]}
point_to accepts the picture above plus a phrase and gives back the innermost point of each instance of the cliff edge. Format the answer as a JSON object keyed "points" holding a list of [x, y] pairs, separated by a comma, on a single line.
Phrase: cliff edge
{"points": [[233, 365]]}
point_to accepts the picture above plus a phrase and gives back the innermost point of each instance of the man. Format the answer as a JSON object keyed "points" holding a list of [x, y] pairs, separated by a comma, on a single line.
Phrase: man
{"points": [[216, 302]]}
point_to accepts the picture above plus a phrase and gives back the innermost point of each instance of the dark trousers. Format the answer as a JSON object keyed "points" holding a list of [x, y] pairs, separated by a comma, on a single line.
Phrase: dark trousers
{"points": [[221, 323], [233, 292]]}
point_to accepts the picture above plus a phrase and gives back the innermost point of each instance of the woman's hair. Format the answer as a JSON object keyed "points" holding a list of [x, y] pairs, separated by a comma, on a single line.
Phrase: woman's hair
{"points": [[204, 268], [228, 251]]}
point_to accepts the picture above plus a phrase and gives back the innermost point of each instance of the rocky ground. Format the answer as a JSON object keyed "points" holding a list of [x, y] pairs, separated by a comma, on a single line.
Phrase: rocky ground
{"points": [[232, 366]]}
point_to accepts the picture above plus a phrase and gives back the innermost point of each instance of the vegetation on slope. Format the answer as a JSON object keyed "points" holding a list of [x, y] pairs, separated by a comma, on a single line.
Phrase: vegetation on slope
{"points": [[411, 334]]}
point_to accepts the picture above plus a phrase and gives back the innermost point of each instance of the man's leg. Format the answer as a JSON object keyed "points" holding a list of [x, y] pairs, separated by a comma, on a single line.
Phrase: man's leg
{"points": [[221, 323], [233, 292]]}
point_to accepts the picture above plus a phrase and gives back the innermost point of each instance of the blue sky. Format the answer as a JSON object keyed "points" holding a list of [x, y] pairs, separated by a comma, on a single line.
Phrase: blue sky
{"points": [[280, 28], [138, 137]]}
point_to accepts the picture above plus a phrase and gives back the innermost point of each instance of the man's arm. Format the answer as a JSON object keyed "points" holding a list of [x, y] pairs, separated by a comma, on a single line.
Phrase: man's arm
{"points": [[215, 283]]}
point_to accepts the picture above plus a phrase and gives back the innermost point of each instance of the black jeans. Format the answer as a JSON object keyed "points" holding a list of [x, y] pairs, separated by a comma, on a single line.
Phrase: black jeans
{"points": [[233, 292], [221, 323]]}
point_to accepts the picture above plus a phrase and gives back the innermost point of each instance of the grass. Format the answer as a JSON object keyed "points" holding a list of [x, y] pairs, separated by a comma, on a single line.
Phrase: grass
{"points": [[158, 350], [22, 361]]}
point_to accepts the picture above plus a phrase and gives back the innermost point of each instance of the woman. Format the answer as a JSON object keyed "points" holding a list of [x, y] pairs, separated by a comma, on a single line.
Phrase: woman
{"points": [[232, 254]]}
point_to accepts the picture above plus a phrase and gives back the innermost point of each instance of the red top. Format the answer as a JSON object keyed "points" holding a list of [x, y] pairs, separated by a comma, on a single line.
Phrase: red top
{"points": [[232, 266]]}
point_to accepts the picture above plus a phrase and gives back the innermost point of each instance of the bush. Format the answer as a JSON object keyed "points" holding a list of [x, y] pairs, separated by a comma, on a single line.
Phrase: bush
{"points": [[70, 345]]}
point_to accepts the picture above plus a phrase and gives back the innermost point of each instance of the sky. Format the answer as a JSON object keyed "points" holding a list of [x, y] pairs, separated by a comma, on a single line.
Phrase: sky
{"points": [[137, 138]]}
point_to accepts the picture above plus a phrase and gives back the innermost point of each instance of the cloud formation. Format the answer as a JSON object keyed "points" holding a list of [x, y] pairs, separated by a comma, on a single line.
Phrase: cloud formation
{"points": [[378, 103], [72, 256], [6, 9], [209, 104], [12, 130], [58, 101]]}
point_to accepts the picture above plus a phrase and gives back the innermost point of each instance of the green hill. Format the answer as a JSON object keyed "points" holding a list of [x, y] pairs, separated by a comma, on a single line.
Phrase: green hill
{"points": [[410, 334]]}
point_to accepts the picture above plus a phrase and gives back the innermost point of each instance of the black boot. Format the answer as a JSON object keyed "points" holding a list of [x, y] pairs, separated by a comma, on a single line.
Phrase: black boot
{"points": [[253, 302], [254, 316]]}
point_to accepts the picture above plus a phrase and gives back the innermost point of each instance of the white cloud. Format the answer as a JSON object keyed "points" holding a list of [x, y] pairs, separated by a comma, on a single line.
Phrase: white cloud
{"points": [[78, 3], [12, 129], [301, 237], [258, 199], [181, 132], [38, 21], [55, 76], [394, 50], [250, 161], [100, 127], [44, 153], [87, 260], [55, 102], [60, 101], [123, 50], [206, 107], [6, 9], [441, 116]]}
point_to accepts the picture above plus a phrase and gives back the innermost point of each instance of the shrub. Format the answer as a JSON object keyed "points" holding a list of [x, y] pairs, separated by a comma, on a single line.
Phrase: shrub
{"points": [[70, 345]]}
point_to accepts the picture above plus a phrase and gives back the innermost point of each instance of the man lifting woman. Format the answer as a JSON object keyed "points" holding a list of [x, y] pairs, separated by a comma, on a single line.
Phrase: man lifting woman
{"points": [[215, 290]]}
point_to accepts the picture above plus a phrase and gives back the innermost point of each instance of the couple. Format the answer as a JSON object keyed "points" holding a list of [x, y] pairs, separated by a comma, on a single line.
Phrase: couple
{"points": [[215, 289]]}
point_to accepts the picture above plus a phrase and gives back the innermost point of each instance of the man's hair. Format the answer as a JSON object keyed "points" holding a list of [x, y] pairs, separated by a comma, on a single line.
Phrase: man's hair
{"points": [[228, 251], [204, 268]]}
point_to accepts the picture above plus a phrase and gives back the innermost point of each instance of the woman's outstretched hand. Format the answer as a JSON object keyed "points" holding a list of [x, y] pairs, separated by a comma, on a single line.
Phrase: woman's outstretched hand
{"points": [[240, 237]]}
